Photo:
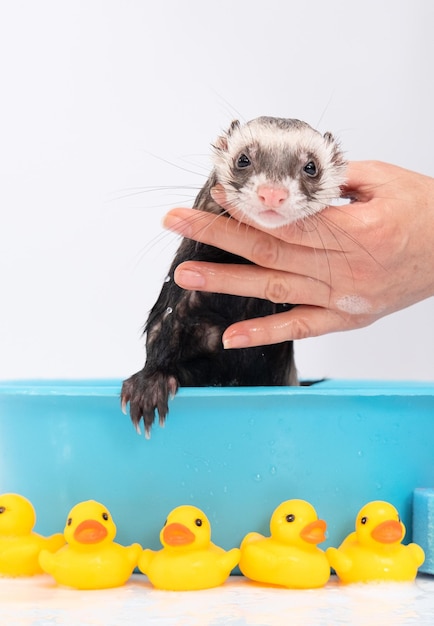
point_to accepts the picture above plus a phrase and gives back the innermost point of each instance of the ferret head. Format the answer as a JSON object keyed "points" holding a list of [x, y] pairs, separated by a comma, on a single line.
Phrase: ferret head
{"points": [[276, 171]]}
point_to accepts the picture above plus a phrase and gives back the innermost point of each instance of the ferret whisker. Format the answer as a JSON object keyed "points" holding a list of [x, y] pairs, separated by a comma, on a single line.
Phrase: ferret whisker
{"points": [[161, 243], [229, 108], [326, 224], [202, 167], [139, 191], [175, 165], [347, 191], [333, 227], [324, 111], [313, 219]]}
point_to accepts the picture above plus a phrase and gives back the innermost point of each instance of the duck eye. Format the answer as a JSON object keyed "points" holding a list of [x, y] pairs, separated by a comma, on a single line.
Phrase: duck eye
{"points": [[290, 518], [2, 509], [69, 522], [198, 522], [105, 516], [364, 520], [310, 169], [243, 161]]}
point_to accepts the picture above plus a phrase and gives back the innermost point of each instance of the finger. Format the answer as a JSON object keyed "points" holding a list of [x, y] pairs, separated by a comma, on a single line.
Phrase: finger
{"points": [[357, 174], [334, 229], [263, 249], [238, 238], [252, 281], [202, 226], [330, 259], [299, 323], [369, 179]]}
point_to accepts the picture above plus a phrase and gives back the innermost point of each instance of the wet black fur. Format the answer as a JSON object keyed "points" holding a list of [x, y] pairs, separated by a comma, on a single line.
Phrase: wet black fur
{"points": [[179, 351]]}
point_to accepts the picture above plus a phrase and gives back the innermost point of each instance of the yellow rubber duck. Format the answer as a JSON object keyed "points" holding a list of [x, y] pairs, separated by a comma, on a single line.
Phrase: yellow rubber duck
{"points": [[91, 560], [374, 551], [188, 559], [290, 557], [19, 546]]}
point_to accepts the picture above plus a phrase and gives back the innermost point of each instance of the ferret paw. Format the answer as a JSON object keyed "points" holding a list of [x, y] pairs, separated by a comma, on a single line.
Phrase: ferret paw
{"points": [[148, 394]]}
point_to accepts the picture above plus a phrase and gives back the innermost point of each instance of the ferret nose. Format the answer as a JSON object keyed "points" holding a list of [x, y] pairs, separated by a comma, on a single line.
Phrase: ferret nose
{"points": [[271, 196]]}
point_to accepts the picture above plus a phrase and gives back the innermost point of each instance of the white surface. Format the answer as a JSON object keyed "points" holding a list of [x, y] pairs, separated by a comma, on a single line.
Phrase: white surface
{"points": [[38, 602], [104, 100]]}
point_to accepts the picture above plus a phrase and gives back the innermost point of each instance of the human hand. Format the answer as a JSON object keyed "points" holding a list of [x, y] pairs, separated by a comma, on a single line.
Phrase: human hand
{"points": [[346, 267]]}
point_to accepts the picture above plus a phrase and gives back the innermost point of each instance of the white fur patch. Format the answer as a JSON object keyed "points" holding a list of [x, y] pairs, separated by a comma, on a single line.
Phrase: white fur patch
{"points": [[292, 209]]}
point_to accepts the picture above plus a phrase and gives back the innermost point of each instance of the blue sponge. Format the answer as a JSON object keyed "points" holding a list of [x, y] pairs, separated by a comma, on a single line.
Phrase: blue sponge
{"points": [[423, 526]]}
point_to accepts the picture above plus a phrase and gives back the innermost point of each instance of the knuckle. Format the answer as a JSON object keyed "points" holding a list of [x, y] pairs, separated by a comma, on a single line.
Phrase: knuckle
{"points": [[300, 329], [265, 251], [277, 291]]}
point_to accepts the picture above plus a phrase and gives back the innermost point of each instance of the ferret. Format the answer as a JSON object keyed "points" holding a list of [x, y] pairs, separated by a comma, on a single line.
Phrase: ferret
{"points": [[275, 171]]}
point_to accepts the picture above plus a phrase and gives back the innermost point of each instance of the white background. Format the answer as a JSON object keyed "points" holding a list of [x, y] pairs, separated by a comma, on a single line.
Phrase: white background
{"points": [[107, 111]]}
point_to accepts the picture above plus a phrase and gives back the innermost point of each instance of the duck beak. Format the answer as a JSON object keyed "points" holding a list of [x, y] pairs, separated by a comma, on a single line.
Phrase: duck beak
{"points": [[90, 531], [315, 532], [388, 532], [177, 535]]}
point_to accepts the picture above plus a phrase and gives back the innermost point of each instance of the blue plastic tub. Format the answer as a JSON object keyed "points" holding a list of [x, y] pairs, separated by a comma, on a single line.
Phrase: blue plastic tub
{"points": [[236, 453]]}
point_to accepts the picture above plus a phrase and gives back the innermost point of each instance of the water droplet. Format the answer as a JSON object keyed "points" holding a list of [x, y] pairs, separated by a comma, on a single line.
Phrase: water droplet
{"points": [[167, 279], [273, 470], [258, 478], [169, 310]]}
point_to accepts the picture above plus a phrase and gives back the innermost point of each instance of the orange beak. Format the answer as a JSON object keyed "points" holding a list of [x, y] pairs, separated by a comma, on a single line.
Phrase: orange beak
{"points": [[90, 531], [314, 532], [177, 535], [387, 532]]}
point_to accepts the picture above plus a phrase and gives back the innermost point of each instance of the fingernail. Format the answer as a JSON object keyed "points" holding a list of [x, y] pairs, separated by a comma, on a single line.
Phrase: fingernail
{"points": [[236, 341], [178, 224], [190, 279]]}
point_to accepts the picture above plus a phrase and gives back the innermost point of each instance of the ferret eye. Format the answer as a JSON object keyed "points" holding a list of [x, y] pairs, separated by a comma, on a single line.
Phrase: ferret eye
{"points": [[243, 161], [290, 518], [310, 169]]}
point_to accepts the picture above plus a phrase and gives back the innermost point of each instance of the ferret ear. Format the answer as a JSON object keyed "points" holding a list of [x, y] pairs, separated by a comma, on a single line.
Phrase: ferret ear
{"points": [[222, 141], [234, 125], [329, 137], [337, 156]]}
